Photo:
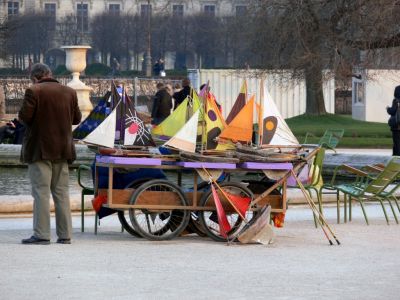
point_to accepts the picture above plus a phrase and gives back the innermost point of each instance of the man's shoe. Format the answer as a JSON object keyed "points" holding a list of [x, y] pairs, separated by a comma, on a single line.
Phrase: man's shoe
{"points": [[35, 241], [64, 241]]}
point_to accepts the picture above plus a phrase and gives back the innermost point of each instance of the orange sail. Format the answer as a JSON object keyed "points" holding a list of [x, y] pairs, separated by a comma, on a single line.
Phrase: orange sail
{"points": [[241, 127]]}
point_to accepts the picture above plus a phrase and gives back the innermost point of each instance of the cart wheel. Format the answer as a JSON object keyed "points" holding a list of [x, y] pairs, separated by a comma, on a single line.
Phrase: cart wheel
{"points": [[125, 224], [209, 219], [156, 224], [194, 225], [122, 213]]}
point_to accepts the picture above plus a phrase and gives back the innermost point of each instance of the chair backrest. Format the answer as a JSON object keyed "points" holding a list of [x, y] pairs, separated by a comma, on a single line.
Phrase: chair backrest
{"points": [[316, 170], [386, 177], [331, 137]]}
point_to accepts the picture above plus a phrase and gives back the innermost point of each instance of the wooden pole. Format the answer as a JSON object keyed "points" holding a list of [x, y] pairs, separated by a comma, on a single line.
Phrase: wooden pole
{"points": [[260, 114]]}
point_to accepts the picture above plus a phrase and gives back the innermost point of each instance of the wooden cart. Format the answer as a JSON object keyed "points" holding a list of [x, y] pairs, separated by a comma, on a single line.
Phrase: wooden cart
{"points": [[160, 209]]}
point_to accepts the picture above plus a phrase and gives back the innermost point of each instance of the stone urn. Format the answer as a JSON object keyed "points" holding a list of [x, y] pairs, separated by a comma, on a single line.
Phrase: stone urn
{"points": [[76, 63]]}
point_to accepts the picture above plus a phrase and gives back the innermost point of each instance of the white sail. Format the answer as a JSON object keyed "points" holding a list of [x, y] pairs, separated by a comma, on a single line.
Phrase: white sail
{"points": [[104, 134], [185, 138], [275, 129]]}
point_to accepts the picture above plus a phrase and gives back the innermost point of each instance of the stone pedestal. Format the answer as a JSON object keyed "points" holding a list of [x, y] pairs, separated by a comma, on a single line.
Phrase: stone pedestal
{"points": [[76, 63]]}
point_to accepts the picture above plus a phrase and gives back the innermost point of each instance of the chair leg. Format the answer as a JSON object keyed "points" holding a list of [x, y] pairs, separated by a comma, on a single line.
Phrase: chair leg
{"points": [[397, 203], [315, 217], [350, 209], [384, 211], [363, 210], [319, 199], [394, 214], [338, 206], [95, 223], [82, 213], [345, 208]]}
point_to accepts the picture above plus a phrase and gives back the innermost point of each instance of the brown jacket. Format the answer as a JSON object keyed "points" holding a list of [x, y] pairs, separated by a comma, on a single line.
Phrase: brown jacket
{"points": [[49, 110]]}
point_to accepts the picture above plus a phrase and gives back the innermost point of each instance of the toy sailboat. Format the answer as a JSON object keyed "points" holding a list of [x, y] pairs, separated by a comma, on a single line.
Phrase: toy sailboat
{"points": [[122, 126], [273, 130]]}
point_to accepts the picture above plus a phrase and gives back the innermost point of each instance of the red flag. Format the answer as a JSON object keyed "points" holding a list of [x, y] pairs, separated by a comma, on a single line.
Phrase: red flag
{"points": [[224, 225], [239, 203]]}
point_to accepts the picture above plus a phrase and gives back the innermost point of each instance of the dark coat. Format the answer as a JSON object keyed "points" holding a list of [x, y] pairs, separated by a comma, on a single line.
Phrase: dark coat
{"points": [[162, 105], [181, 95], [391, 110], [49, 110]]}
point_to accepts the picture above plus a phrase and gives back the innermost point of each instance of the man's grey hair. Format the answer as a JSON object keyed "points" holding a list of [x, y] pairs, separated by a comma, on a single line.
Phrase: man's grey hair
{"points": [[40, 71]]}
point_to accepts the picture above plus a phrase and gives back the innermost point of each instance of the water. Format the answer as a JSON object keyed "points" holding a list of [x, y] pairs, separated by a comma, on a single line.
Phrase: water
{"points": [[15, 181]]}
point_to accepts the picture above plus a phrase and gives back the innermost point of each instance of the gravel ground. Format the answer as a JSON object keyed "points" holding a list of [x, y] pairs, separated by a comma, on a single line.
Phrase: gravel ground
{"points": [[298, 265]]}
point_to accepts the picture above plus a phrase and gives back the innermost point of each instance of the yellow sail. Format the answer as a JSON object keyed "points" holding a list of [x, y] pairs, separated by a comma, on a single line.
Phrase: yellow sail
{"points": [[215, 122], [173, 123]]}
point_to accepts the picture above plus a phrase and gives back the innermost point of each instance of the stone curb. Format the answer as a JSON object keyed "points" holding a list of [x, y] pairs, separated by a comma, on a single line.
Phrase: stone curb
{"points": [[24, 203]]}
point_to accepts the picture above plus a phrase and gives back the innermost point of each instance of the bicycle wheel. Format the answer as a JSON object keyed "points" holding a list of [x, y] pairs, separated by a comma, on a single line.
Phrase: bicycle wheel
{"points": [[159, 224], [209, 219]]}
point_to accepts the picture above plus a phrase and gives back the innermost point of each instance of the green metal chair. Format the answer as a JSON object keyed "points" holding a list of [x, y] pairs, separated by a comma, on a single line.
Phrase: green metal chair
{"points": [[316, 176], [366, 188], [86, 190], [390, 191], [329, 140]]}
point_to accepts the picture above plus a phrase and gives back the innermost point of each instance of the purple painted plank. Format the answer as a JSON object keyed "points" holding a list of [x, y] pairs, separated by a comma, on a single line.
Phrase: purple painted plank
{"points": [[207, 165], [266, 166], [142, 161]]}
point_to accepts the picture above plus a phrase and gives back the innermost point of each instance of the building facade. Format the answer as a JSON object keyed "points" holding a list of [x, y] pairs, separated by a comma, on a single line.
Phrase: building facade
{"points": [[85, 11]]}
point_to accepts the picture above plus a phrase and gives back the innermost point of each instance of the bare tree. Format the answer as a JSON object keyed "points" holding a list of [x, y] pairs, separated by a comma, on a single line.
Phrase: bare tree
{"points": [[308, 36], [31, 37], [68, 31]]}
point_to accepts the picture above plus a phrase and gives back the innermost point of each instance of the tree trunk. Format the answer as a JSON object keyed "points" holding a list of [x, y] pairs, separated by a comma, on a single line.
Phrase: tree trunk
{"points": [[315, 104]]}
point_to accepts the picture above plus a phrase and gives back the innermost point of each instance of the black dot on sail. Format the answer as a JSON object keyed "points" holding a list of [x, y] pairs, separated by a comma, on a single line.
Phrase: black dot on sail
{"points": [[211, 135]]}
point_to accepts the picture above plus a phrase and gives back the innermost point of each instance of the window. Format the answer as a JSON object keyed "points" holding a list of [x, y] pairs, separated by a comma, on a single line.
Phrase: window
{"points": [[177, 10], [209, 10], [358, 91], [82, 16], [145, 10], [114, 9], [50, 11], [13, 8], [241, 10]]}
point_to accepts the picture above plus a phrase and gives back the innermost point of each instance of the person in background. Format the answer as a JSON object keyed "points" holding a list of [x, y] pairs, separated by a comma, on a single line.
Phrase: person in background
{"points": [[393, 122], [2, 104], [12, 133], [158, 68], [115, 67], [48, 112], [161, 106], [170, 91], [183, 93], [162, 67]]}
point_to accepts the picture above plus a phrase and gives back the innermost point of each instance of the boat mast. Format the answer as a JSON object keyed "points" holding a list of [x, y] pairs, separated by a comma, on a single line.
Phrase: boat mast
{"points": [[260, 113]]}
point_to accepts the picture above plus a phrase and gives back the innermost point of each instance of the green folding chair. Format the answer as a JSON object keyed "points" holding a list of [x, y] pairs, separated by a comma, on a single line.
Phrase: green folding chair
{"points": [[316, 176], [329, 140], [86, 190], [366, 188]]}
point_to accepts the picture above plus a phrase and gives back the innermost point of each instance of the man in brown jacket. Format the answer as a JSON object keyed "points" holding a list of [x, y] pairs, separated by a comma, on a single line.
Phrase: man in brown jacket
{"points": [[49, 110]]}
